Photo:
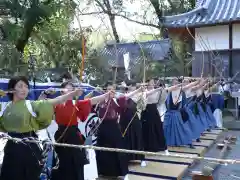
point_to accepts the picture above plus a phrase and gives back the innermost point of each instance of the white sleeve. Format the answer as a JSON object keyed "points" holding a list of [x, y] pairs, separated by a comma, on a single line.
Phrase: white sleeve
{"points": [[153, 98]]}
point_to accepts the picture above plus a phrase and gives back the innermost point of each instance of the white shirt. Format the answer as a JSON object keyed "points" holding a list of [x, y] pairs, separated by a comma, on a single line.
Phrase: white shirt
{"points": [[189, 93], [177, 96], [154, 98]]}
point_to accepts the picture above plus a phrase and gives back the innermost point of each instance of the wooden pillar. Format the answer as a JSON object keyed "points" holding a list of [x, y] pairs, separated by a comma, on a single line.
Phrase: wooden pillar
{"points": [[115, 70], [230, 50]]}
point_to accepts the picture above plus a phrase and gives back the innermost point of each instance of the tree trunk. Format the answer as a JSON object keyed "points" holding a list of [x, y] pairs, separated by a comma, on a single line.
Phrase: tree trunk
{"points": [[26, 34], [156, 6], [114, 29], [112, 19]]}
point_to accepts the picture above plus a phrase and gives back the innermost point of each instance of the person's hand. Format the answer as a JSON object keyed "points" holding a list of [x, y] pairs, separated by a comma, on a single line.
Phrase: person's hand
{"points": [[179, 85], [50, 91], [142, 88], [78, 92], [198, 80], [111, 94], [98, 89], [2, 93], [42, 96]]}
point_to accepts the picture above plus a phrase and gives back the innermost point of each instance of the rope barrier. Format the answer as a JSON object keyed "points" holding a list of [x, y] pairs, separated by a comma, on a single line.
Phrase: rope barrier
{"points": [[222, 161]]}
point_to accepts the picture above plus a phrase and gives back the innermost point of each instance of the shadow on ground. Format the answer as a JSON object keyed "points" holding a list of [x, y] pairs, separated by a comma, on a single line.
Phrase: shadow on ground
{"points": [[224, 171], [230, 122]]}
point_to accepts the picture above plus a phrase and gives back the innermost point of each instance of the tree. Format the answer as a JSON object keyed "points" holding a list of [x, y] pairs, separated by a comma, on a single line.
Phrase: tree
{"points": [[151, 14], [27, 15], [27, 18], [40, 28], [110, 8]]}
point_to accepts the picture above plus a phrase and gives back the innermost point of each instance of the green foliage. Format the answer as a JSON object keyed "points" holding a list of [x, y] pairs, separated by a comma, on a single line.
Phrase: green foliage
{"points": [[41, 28], [179, 64]]}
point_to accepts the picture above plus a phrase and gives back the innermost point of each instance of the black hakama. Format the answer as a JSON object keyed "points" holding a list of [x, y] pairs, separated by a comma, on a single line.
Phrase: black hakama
{"points": [[131, 128], [22, 161], [111, 163], [72, 160], [153, 133]]}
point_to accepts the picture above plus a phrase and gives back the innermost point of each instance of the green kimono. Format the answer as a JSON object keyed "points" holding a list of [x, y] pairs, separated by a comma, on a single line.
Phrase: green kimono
{"points": [[21, 160], [17, 118]]}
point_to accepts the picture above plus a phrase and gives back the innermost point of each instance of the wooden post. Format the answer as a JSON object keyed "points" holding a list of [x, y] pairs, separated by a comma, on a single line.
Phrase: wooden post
{"points": [[83, 58], [207, 171], [144, 70], [115, 75]]}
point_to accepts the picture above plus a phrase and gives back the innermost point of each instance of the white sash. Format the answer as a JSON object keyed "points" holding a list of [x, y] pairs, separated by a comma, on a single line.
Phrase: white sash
{"points": [[74, 102], [30, 109], [4, 107], [27, 103]]}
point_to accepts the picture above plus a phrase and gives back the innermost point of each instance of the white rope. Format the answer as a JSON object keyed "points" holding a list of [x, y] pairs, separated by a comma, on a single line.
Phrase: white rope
{"points": [[224, 161]]}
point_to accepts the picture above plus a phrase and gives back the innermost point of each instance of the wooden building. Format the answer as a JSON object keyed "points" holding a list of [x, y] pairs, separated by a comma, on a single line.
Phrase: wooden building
{"points": [[113, 54], [213, 29]]}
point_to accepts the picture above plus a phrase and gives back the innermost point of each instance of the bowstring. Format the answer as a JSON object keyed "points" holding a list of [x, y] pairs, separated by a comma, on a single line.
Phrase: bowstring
{"points": [[68, 125], [201, 43], [31, 126], [143, 54], [116, 53], [191, 35], [140, 99], [101, 119], [75, 108], [203, 61], [205, 48]]}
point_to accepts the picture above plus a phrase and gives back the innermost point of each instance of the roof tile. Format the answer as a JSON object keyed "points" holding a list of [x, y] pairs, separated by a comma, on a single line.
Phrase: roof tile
{"points": [[156, 50], [207, 12]]}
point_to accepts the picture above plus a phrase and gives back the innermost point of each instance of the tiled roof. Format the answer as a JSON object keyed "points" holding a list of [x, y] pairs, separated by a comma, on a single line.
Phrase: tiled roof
{"points": [[156, 50], [207, 12], [200, 3]]}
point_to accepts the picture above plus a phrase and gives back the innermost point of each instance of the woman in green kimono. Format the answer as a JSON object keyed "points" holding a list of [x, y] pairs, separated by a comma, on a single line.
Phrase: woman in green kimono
{"points": [[22, 161]]}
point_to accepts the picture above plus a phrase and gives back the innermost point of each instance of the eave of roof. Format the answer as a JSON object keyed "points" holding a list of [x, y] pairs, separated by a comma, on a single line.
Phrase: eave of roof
{"points": [[211, 12], [158, 50]]}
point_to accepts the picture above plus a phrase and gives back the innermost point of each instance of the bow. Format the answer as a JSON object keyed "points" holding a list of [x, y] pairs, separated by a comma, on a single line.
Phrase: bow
{"points": [[204, 46], [46, 147]]}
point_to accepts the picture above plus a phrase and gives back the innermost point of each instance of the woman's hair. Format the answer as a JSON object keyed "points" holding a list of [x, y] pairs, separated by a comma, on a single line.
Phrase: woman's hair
{"points": [[67, 75], [12, 83], [150, 79], [63, 85], [192, 80], [131, 83]]}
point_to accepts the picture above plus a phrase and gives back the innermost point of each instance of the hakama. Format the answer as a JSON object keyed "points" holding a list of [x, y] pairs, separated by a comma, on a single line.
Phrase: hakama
{"points": [[21, 161], [177, 133], [193, 107], [153, 134], [194, 124], [209, 112], [131, 128], [71, 160], [202, 113], [112, 164]]}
